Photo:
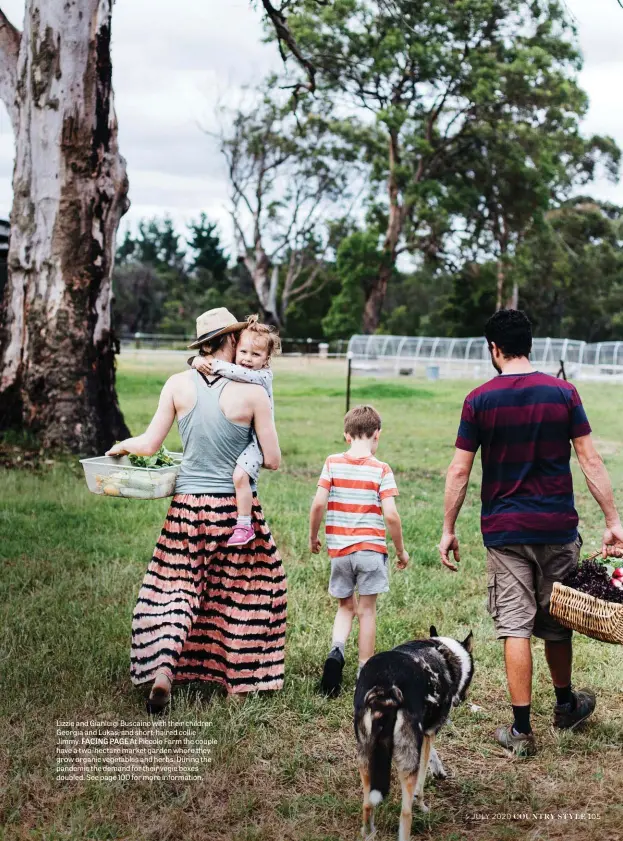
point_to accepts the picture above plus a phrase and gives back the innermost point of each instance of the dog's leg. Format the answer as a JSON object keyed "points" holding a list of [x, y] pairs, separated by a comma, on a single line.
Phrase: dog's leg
{"points": [[408, 783], [367, 829], [436, 765], [421, 774]]}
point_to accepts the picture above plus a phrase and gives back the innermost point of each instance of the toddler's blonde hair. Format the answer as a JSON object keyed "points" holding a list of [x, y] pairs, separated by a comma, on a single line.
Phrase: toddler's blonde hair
{"points": [[265, 333]]}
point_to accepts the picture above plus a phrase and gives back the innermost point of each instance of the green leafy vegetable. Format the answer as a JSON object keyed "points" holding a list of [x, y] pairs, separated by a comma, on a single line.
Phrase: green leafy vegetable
{"points": [[159, 459]]}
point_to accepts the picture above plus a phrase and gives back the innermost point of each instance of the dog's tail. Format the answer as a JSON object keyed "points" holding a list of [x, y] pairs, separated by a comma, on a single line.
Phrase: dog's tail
{"points": [[383, 704]]}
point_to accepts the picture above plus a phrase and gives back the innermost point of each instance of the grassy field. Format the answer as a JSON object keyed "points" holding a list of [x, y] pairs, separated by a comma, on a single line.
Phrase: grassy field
{"points": [[72, 564]]}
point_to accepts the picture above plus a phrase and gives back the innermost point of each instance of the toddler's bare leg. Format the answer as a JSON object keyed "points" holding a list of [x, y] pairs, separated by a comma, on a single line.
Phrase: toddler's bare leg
{"points": [[244, 494]]}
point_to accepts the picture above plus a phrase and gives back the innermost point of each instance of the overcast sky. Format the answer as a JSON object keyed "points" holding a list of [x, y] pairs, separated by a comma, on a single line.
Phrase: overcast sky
{"points": [[174, 59]]}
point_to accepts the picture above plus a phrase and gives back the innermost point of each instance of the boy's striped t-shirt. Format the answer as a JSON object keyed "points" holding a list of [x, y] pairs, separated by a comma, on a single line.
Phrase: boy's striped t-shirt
{"points": [[523, 425], [356, 488]]}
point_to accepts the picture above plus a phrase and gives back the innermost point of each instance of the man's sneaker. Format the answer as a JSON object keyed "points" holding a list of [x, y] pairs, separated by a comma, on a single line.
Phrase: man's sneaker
{"points": [[566, 716], [331, 682], [241, 536], [521, 744]]}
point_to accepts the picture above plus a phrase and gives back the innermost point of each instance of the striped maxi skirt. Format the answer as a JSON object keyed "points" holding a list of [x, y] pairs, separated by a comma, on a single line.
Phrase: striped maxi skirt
{"points": [[208, 612]]}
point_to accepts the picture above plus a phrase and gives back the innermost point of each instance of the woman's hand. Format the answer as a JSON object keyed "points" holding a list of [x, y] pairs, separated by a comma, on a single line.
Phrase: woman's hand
{"points": [[119, 449], [203, 364]]}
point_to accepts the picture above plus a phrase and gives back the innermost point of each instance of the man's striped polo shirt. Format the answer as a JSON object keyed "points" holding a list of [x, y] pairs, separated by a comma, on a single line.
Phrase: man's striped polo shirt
{"points": [[354, 514], [523, 424]]}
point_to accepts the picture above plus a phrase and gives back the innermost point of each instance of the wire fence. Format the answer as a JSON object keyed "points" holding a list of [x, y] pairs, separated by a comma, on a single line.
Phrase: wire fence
{"points": [[449, 358], [291, 347], [430, 356]]}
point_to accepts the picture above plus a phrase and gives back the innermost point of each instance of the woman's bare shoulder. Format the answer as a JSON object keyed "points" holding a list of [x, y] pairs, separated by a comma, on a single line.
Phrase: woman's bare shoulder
{"points": [[180, 383], [183, 376]]}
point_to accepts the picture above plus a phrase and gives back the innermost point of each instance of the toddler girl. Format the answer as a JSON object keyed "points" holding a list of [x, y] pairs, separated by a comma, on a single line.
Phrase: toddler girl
{"points": [[256, 346]]}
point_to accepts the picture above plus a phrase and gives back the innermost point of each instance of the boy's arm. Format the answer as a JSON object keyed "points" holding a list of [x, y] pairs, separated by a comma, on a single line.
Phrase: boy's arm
{"points": [[319, 506], [239, 374], [394, 526]]}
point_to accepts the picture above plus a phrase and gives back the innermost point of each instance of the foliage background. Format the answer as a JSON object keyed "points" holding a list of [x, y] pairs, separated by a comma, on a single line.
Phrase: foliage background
{"points": [[569, 271]]}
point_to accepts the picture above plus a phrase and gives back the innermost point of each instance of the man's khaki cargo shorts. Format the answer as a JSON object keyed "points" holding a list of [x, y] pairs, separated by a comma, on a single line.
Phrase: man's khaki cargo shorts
{"points": [[520, 578]]}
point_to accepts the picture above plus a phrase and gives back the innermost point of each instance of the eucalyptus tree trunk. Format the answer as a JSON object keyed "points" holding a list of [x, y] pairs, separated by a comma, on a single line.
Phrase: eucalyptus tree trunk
{"points": [[395, 221], [265, 277], [70, 190]]}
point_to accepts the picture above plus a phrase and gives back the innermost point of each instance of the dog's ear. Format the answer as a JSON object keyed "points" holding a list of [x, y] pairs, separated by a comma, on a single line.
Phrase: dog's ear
{"points": [[433, 631], [468, 642]]}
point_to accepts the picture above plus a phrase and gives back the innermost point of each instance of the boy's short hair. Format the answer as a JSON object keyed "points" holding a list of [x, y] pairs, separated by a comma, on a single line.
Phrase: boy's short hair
{"points": [[362, 422]]}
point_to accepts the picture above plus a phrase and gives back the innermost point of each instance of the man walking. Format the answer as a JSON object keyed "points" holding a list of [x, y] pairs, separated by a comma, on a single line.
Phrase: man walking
{"points": [[524, 422]]}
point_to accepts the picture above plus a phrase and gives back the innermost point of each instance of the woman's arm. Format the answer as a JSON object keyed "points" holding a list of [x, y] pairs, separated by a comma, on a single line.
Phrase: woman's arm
{"points": [[151, 440], [265, 430]]}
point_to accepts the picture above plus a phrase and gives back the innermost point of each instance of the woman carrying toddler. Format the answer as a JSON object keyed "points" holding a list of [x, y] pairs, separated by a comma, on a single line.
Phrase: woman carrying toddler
{"points": [[257, 344]]}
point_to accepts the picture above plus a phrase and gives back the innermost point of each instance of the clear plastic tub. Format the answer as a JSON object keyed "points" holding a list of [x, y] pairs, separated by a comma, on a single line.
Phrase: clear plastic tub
{"points": [[115, 476]]}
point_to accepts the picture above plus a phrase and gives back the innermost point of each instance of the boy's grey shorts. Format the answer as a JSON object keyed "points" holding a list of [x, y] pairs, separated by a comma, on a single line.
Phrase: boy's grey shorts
{"points": [[365, 569]]}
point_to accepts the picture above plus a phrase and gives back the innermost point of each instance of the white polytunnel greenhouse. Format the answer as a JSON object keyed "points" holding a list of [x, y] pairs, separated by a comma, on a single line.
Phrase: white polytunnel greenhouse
{"points": [[379, 355]]}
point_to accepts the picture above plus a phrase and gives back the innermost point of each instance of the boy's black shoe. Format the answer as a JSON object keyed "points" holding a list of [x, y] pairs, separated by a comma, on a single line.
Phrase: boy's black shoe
{"points": [[331, 682], [568, 716]]}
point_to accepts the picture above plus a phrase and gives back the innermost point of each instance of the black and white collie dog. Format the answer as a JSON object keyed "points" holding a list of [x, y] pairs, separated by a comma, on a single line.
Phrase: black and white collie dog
{"points": [[402, 699]]}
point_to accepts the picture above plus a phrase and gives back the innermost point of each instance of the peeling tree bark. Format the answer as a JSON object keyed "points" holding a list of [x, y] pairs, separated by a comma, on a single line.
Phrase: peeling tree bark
{"points": [[265, 277], [70, 191]]}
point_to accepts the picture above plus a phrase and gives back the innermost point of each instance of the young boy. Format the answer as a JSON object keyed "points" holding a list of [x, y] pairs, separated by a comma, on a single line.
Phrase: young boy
{"points": [[359, 492]]}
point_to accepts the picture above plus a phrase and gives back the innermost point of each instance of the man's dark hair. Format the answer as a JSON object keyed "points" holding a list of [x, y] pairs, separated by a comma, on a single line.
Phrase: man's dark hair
{"points": [[511, 331]]}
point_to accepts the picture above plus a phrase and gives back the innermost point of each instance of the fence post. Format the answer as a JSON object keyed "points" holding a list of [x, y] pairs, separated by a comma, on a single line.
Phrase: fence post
{"points": [[348, 375]]}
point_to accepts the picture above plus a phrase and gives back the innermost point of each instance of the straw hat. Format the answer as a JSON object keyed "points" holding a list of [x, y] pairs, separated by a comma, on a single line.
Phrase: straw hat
{"points": [[214, 323]]}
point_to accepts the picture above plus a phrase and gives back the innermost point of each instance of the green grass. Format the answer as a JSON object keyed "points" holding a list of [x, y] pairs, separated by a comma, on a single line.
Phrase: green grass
{"points": [[284, 768]]}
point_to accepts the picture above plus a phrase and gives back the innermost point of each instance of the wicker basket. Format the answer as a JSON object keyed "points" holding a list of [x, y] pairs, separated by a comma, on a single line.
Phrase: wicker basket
{"points": [[592, 617]]}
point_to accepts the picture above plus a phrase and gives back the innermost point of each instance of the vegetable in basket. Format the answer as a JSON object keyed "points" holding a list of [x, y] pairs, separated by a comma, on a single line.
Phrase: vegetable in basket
{"points": [[593, 577], [160, 459], [126, 481]]}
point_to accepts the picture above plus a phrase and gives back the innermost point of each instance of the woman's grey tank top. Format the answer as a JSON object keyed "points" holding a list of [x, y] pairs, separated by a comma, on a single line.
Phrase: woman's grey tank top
{"points": [[211, 443]]}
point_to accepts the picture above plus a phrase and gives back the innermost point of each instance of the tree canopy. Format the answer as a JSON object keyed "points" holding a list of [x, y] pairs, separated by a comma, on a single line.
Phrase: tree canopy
{"points": [[429, 179]]}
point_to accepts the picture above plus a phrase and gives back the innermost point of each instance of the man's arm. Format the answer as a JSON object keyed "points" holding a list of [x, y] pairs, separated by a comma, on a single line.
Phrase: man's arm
{"points": [[600, 487], [151, 440], [265, 429], [457, 480], [319, 506], [394, 527]]}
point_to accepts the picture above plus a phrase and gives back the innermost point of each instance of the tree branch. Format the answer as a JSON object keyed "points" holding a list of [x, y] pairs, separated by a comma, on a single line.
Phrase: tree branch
{"points": [[10, 39], [285, 36], [297, 298]]}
